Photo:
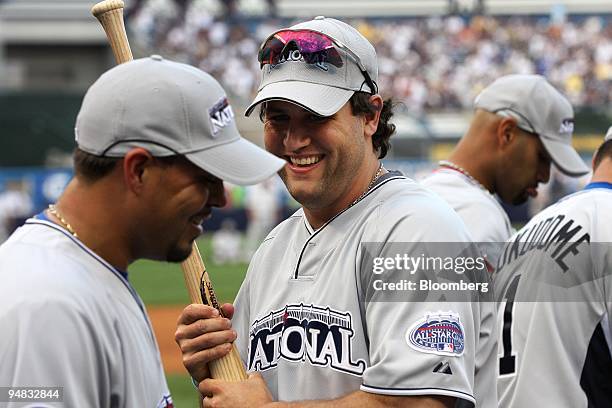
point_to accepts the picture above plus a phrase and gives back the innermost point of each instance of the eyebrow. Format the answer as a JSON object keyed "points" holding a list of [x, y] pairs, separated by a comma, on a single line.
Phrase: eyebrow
{"points": [[274, 110], [277, 110]]}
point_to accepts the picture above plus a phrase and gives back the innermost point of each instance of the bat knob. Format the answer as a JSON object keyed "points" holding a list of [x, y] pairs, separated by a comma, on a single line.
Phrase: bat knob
{"points": [[106, 6]]}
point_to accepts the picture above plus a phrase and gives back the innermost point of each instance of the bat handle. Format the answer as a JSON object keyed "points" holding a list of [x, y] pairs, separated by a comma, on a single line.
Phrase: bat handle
{"points": [[110, 15], [199, 286]]}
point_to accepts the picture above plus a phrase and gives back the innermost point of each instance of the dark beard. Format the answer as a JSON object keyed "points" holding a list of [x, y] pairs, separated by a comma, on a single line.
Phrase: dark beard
{"points": [[176, 254], [520, 199]]}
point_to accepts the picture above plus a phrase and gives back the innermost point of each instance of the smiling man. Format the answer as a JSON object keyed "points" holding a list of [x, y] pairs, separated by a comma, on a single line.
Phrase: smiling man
{"points": [[521, 125], [155, 139], [307, 317]]}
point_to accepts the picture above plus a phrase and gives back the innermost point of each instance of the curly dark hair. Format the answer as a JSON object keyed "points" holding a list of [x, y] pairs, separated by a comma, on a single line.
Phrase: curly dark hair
{"points": [[360, 104]]}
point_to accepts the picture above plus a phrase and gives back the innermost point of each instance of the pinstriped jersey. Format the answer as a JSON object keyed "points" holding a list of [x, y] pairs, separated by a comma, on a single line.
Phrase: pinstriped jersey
{"points": [[69, 319], [304, 320], [553, 283]]}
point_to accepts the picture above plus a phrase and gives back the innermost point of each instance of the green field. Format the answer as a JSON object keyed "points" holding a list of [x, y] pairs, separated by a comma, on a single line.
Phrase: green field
{"points": [[183, 393], [160, 283]]}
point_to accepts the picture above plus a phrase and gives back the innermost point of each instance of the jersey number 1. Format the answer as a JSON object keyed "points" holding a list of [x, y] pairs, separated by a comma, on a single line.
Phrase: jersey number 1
{"points": [[507, 363]]}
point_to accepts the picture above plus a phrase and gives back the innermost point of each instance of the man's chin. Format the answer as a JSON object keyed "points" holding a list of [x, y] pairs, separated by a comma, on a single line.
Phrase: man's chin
{"points": [[521, 199], [177, 254]]}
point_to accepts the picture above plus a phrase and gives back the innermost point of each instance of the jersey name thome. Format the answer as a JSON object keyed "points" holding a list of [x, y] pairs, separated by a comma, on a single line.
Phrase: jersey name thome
{"points": [[557, 235], [299, 332]]}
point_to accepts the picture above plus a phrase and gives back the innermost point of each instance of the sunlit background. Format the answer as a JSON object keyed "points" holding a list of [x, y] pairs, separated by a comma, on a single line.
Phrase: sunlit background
{"points": [[434, 57]]}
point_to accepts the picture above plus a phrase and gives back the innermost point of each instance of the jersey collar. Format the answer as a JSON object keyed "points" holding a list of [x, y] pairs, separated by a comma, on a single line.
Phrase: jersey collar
{"points": [[43, 216], [599, 184]]}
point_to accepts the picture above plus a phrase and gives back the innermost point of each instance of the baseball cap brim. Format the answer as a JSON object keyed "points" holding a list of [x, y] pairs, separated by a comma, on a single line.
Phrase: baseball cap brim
{"points": [[324, 100], [565, 157], [239, 162]]}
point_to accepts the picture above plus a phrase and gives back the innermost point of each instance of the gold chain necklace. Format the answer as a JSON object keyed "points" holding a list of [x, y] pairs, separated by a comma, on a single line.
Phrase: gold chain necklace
{"points": [[53, 210], [376, 176], [453, 166]]}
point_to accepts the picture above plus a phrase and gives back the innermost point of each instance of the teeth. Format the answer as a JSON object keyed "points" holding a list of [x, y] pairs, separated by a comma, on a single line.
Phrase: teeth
{"points": [[305, 161]]}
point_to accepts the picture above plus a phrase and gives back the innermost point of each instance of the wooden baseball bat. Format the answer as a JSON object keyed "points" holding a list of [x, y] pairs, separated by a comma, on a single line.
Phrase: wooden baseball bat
{"points": [[199, 286], [110, 15]]}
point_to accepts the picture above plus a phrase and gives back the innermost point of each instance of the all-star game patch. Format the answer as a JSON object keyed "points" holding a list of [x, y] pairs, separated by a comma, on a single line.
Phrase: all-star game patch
{"points": [[221, 115], [438, 333]]}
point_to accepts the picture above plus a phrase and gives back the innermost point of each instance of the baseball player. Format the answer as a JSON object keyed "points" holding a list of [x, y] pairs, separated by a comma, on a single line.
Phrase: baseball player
{"points": [[521, 123], [553, 284], [309, 316], [154, 140]]}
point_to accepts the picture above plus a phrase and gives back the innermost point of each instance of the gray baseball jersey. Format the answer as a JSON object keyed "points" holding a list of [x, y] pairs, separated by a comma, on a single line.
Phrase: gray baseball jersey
{"points": [[553, 283], [69, 319], [473, 204], [305, 322]]}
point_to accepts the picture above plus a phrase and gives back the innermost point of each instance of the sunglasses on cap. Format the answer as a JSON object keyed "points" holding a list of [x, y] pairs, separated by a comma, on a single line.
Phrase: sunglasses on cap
{"points": [[314, 47]]}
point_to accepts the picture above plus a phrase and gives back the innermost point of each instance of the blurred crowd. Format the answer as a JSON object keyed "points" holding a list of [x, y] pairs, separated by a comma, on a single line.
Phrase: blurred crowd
{"points": [[434, 63]]}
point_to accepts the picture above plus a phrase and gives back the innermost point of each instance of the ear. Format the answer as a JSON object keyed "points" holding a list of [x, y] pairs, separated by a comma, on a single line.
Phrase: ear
{"points": [[506, 132], [593, 158], [137, 165], [372, 119]]}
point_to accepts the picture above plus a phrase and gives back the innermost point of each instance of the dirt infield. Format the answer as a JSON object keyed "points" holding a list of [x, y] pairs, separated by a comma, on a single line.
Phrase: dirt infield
{"points": [[164, 319]]}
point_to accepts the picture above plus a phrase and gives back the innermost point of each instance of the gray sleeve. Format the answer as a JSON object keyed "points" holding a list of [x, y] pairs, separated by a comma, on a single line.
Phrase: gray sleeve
{"points": [[421, 343], [51, 343], [397, 368]]}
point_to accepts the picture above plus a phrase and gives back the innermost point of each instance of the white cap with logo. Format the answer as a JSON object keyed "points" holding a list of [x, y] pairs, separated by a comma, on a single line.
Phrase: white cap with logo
{"points": [[321, 88], [538, 108], [169, 109]]}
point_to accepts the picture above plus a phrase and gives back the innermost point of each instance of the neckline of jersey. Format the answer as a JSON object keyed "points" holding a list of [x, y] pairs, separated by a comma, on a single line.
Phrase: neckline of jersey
{"points": [[42, 216], [480, 188], [598, 184], [391, 175], [379, 180], [42, 220], [467, 176]]}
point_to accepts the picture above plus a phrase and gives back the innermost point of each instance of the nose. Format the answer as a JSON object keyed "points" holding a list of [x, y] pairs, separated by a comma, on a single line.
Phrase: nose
{"points": [[217, 196], [544, 171], [296, 138]]}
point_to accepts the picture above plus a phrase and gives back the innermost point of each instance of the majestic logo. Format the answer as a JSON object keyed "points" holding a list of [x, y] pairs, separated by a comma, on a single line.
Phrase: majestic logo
{"points": [[221, 115], [443, 367], [567, 126], [440, 333], [322, 336]]}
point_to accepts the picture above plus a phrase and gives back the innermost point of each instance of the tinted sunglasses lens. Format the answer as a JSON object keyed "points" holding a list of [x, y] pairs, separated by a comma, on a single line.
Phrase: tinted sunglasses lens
{"points": [[313, 47], [329, 55], [271, 51]]}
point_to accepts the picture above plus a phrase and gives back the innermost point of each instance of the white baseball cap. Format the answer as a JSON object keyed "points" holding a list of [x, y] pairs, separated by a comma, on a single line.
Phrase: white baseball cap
{"points": [[170, 109], [538, 108], [320, 88], [608, 135]]}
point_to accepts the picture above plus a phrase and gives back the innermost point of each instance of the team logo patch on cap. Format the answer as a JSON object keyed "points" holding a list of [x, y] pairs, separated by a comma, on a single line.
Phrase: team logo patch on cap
{"points": [[438, 333], [567, 126], [221, 115]]}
